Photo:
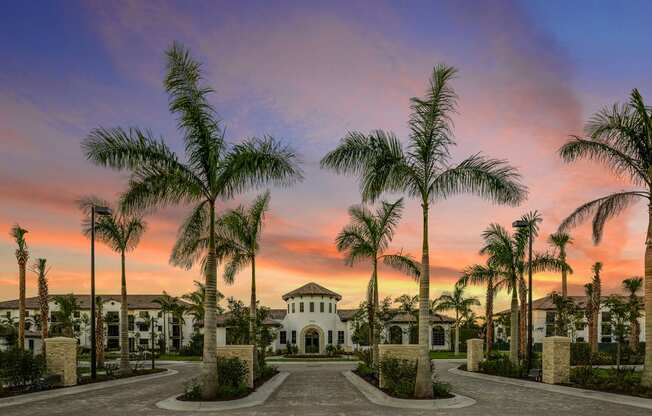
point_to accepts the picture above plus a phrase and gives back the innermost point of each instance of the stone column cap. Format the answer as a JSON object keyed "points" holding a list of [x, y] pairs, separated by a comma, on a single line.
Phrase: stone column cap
{"points": [[60, 340], [556, 338]]}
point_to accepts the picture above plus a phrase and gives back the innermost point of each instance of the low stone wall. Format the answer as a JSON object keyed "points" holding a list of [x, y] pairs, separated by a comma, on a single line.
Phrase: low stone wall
{"points": [[400, 351], [474, 354], [556, 360], [61, 359], [243, 352]]}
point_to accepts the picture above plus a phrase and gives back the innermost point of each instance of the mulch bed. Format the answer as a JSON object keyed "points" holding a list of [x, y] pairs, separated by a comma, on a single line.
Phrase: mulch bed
{"points": [[242, 393], [373, 380]]}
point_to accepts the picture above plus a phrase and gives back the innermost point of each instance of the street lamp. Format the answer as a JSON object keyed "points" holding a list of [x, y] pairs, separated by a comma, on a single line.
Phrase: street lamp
{"points": [[528, 225], [99, 211]]}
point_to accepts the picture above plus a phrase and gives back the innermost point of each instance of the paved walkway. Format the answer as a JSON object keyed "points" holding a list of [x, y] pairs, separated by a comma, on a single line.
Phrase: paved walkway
{"points": [[318, 389]]}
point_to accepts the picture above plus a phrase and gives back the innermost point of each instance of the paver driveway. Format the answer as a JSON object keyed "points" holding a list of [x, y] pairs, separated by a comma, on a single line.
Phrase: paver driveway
{"points": [[320, 389]]}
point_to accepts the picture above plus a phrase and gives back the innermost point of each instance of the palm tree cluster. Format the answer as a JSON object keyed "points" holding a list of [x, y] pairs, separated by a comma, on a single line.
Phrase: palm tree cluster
{"points": [[461, 305]]}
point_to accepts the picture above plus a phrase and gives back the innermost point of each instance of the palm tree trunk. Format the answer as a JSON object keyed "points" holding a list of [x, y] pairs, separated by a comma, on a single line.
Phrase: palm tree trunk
{"points": [[252, 313], [522, 294], [423, 384], [374, 329], [21, 304], [209, 364], [99, 335], [635, 333], [564, 273], [124, 321], [457, 333], [646, 379], [489, 313], [513, 329], [44, 308]]}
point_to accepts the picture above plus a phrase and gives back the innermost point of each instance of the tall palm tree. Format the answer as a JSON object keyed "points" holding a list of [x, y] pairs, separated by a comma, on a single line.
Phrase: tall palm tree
{"points": [[99, 331], [366, 238], [166, 303], [591, 316], [213, 171], [457, 302], [632, 286], [488, 275], [22, 255], [121, 232], [596, 302], [621, 138], [424, 172], [41, 269], [559, 241]]}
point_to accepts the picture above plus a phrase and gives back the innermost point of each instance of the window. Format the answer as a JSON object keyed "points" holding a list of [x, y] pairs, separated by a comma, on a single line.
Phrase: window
{"points": [[143, 326], [76, 328], [335, 308], [312, 306], [283, 337], [300, 306], [579, 339], [438, 337], [606, 316], [144, 342], [288, 308], [340, 337], [396, 335], [30, 344], [294, 337], [580, 326], [160, 314], [293, 308], [130, 321], [321, 307], [550, 324], [605, 329], [330, 337], [605, 339], [330, 307], [143, 314], [159, 328], [27, 313]]}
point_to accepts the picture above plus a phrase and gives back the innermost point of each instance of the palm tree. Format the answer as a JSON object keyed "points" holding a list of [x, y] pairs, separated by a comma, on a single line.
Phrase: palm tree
{"points": [[41, 270], [22, 255], [621, 138], [591, 316], [121, 232], [488, 275], [166, 303], [564, 311], [214, 170], [632, 286], [195, 301], [559, 241], [457, 302], [424, 172], [66, 321], [238, 234], [596, 285], [367, 237], [99, 331]]}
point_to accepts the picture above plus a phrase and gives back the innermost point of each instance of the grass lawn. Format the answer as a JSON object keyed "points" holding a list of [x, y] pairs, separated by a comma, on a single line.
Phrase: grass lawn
{"points": [[176, 357], [444, 355]]}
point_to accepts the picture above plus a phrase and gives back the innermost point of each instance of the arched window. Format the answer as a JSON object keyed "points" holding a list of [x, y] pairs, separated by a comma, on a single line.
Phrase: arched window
{"points": [[414, 334], [395, 335], [438, 336]]}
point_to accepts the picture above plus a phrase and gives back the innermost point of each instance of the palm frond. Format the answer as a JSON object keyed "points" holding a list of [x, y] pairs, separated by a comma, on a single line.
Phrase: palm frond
{"points": [[18, 234], [488, 178], [256, 162], [403, 263], [192, 238], [602, 209]]}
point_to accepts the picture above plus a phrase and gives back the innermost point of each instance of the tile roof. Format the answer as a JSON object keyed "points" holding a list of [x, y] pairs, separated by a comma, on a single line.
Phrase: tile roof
{"points": [[84, 301], [311, 288]]}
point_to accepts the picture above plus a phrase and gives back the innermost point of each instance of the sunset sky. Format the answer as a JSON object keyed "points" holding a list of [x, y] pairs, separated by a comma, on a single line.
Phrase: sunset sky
{"points": [[530, 74]]}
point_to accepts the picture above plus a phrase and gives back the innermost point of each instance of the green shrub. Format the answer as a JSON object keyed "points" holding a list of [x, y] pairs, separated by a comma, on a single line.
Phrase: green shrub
{"points": [[232, 371], [195, 347], [500, 365], [364, 355], [399, 376], [192, 390], [364, 370], [20, 369], [625, 380]]}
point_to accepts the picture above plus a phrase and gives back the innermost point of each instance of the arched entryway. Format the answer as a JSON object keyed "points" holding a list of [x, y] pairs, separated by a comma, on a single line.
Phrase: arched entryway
{"points": [[395, 334], [311, 340]]}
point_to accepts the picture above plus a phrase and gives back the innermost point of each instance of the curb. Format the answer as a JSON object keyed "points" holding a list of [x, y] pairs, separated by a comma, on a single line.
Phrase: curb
{"points": [[66, 391], [256, 398], [379, 397], [555, 388]]}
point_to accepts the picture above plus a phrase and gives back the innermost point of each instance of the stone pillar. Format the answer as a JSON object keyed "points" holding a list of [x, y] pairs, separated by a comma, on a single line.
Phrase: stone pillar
{"points": [[556, 360], [243, 352], [474, 354], [61, 358]]}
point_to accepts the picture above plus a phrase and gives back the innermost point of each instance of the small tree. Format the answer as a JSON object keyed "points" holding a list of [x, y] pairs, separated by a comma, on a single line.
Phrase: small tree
{"points": [[41, 270], [461, 305], [65, 319], [633, 285], [564, 313], [619, 314]]}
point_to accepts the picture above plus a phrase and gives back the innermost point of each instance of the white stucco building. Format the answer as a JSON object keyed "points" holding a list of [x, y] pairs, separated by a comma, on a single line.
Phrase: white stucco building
{"points": [[543, 318], [142, 309], [312, 320]]}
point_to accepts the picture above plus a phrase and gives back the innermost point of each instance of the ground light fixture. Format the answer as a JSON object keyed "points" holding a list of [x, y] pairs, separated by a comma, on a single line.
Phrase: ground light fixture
{"points": [[528, 225], [102, 211]]}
